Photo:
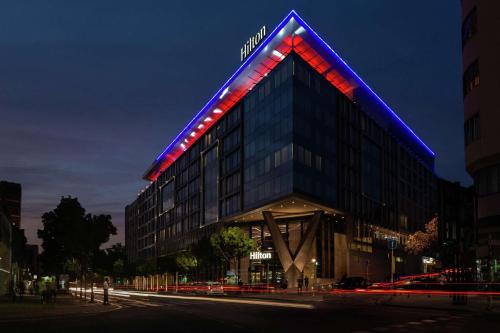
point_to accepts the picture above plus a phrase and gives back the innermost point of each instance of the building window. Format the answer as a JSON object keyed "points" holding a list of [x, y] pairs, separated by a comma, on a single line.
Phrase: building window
{"points": [[487, 180], [469, 26], [210, 193], [371, 170], [167, 194], [231, 162], [471, 77], [472, 129], [231, 183], [231, 141], [232, 205]]}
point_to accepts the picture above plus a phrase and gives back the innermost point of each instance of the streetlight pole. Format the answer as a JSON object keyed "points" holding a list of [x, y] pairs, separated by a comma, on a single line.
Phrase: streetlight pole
{"points": [[315, 262], [392, 265]]}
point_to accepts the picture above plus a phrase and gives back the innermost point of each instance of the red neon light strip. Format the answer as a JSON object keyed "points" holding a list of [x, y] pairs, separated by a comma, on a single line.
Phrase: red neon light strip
{"points": [[305, 51]]}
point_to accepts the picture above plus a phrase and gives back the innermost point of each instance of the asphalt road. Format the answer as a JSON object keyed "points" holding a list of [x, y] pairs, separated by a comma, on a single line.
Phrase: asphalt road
{"points": [[188, 315]]}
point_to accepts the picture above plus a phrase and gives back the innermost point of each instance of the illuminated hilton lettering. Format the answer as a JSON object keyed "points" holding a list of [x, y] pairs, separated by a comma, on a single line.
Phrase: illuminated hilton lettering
{"points": [[252, 43], [260, 255]]}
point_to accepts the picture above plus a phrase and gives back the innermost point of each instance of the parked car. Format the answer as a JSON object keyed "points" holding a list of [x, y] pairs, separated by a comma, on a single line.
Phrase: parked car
{"points": [[353, 282]]}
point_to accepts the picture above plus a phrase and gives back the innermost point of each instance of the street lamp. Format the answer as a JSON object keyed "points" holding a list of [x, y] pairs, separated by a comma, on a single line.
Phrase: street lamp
{"points": [[315, 262]]}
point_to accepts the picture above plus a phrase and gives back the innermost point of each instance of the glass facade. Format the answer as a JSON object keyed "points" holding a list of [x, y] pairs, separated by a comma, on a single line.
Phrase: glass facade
{"points": [[372, 170], [268, 137], [314, 135], [294, 133], [167, 196], [210, 190]]}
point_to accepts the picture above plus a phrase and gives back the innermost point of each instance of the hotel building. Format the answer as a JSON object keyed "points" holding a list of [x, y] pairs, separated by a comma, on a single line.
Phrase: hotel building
{"points": [[297, 150]]}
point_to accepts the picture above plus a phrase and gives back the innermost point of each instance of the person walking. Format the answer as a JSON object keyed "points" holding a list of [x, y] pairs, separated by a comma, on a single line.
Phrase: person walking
{"points": [[300, 282], [306, 283], [105, 286]]}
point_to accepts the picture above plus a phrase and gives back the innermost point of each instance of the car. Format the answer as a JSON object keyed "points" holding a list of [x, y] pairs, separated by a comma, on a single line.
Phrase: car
{"points": [[214, 288], [353, 282]]}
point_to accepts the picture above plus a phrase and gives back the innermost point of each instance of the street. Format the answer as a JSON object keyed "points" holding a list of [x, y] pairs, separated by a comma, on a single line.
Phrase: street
{"points": [[185, 314]]}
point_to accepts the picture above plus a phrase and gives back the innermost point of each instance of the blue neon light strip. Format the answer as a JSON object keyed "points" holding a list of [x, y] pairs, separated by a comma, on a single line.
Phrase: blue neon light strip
{"points": [[318, 38], [292, 15]]}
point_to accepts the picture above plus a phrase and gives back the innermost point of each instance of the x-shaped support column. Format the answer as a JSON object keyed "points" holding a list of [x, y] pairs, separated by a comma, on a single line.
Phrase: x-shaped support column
{"points": [[293, 261]]}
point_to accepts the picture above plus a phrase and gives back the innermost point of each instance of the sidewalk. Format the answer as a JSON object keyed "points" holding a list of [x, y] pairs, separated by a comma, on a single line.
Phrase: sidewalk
{"points": [[30, 308], [474, 303]]}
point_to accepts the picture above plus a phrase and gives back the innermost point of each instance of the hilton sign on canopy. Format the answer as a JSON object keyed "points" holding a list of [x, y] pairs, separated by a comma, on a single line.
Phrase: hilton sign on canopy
{"points": [[260, 255], [252, 43]]}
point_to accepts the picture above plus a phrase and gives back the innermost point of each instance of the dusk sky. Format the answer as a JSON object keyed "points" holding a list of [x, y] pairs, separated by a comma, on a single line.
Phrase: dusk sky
{"points": [[92, 91]]}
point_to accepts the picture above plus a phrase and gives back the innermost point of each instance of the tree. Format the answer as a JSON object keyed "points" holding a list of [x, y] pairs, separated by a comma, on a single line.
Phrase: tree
{"points": [[118, 267], [73, 267], [70, 234], [97, 231], [61, 235], [186, 261], [207, 259], [104, 260], [147, 267], [231, 244], [421, 241]]}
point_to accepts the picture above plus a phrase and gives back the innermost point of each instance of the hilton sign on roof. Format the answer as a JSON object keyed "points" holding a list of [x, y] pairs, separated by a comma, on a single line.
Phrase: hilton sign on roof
{"points": [[252, 43]]}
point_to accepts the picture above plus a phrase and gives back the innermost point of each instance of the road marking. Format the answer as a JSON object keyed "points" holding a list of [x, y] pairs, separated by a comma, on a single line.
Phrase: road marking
{"points": [[222, 300], [398, 326], [145, 303], [429, 321], [414, 323]]}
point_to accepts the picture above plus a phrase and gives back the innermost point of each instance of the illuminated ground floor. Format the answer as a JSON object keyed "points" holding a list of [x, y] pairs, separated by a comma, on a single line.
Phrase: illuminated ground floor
{"points": [[301, 241]]}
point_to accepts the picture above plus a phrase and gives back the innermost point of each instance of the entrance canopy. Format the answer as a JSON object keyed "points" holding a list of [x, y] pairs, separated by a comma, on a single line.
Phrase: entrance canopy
{"points": [[293, 206], [292, 34]]}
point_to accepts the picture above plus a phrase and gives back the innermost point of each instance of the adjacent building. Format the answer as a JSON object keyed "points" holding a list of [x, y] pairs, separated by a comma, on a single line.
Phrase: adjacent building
{"points": [[301, 154], [5, 252], [481, 70], [10, 199], [457, 234]]}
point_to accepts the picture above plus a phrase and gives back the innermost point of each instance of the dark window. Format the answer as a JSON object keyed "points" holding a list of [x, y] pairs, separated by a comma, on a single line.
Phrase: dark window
{"points": [[371, 169], [472, 129], [469, 26], [471, 78], [487, 180], [231, 162], [231, 141], [232, 205], [210, 195]]}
